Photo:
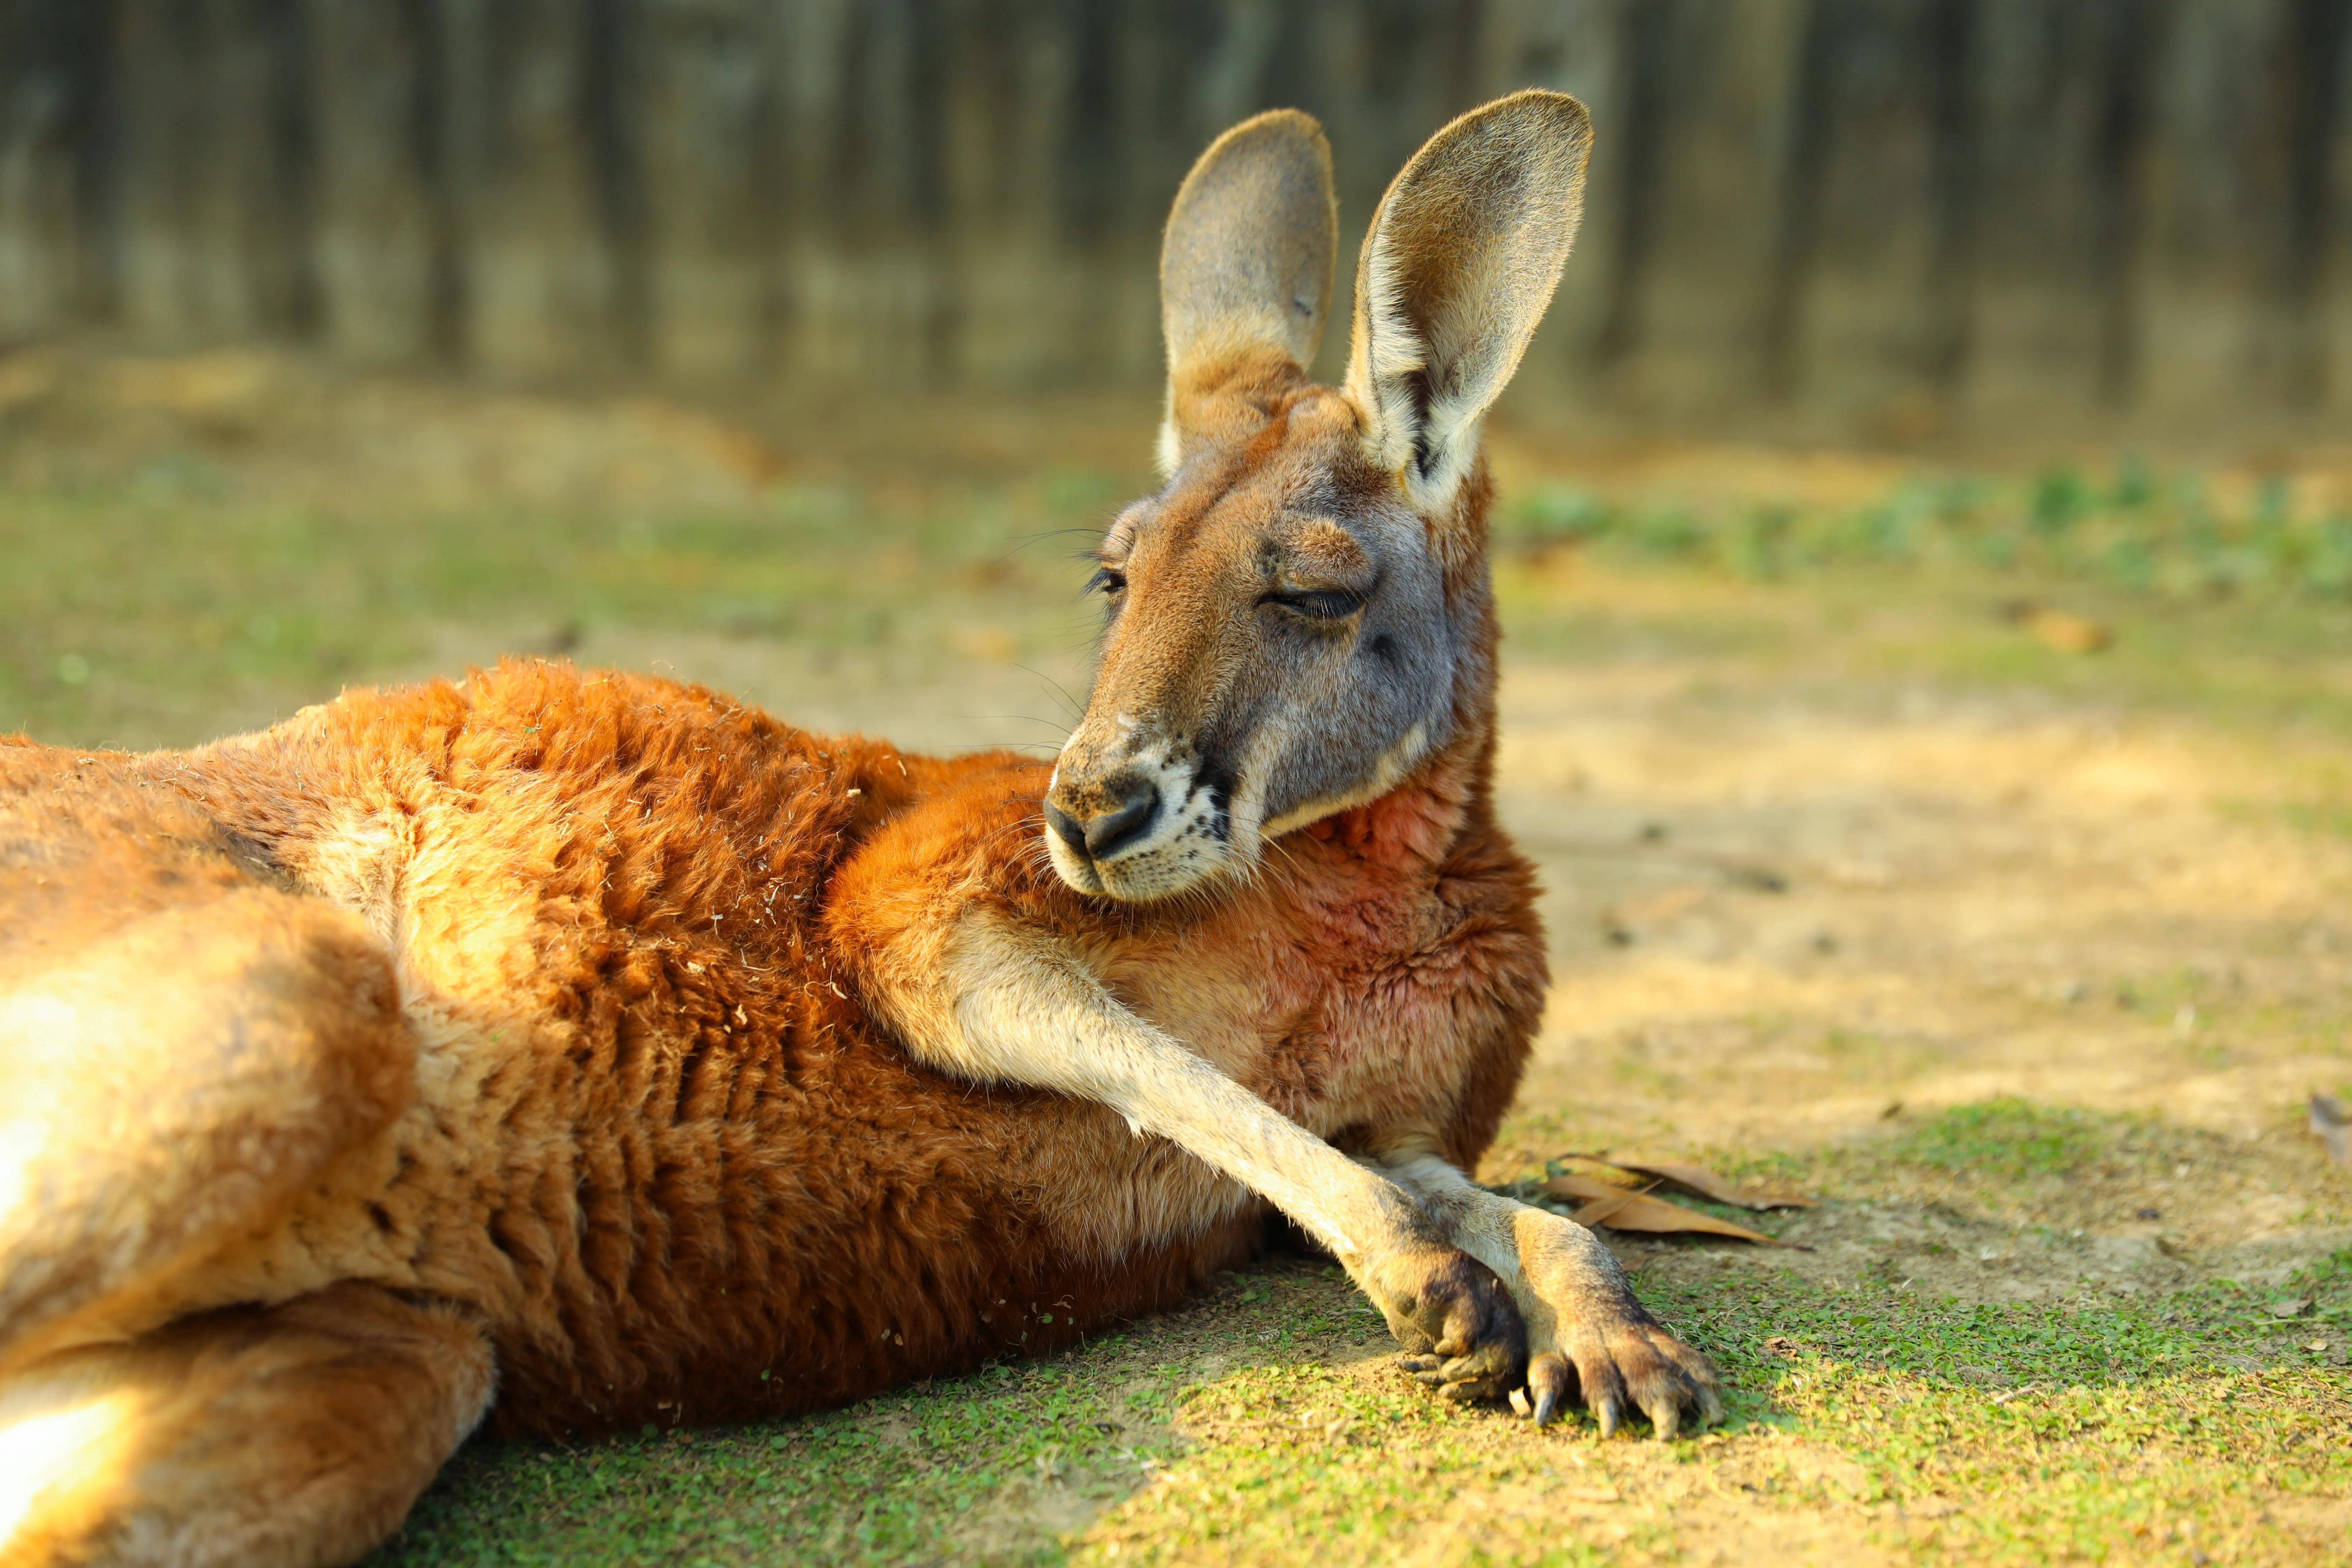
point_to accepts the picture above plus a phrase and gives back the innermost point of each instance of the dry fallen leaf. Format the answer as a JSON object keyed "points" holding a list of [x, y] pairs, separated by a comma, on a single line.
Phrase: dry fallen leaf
{"points": [[1607, 1204], [2334, 1130], [1598, 1169], [1701, 1182], [1600, 1200]]}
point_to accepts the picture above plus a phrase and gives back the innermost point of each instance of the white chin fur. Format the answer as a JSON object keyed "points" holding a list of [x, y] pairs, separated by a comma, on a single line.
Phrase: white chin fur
{"points": [[1182, 850]]}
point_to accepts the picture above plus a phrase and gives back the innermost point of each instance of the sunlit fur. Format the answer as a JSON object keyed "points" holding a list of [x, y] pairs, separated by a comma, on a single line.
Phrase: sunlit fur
{"points": [[580, 1050]]}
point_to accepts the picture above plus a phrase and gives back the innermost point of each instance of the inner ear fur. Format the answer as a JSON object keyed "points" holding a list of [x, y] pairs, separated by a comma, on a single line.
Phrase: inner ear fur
{"points": [[1457, 267], [1246, 267]]}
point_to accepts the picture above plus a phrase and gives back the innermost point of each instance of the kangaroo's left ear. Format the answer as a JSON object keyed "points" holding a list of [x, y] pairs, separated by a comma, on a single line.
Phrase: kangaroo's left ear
{"points": [[1456, 270], [1246, 267]]}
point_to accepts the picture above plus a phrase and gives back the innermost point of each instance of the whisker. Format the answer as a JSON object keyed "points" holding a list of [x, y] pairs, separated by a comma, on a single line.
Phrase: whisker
{"points": [[1024, 540], [1026, 719], [1074, 706], [1290, 855], [1023, 824]]}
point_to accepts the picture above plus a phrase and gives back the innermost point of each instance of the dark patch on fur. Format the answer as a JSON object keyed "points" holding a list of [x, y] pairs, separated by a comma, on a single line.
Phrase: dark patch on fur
{"points": [[1419, 389]]}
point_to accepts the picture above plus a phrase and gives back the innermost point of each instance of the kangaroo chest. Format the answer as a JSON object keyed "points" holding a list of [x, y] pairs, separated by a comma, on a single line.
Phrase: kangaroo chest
{"points": [[1363, 999]]}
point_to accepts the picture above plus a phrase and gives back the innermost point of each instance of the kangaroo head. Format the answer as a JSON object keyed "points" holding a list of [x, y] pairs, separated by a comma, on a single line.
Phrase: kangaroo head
{"points": [[1288, 618]]}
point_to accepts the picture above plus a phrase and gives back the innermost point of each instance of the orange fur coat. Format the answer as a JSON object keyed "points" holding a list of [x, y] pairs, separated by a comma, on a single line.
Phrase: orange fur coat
{"points": [[604, 940]]}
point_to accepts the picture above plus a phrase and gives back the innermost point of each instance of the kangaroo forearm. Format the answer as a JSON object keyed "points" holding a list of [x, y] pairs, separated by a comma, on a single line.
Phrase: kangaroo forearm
{"points": [[1069, 1042], [1013, 1007]]}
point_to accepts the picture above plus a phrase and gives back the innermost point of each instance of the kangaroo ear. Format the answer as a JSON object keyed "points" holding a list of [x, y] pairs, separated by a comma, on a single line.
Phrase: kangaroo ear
{"points": [[1245, 268], [1456, 270]]}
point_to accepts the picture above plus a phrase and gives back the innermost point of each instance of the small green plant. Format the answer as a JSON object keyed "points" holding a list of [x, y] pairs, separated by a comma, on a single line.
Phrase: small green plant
{"points": [[2005, 1137], [1556, 514]]}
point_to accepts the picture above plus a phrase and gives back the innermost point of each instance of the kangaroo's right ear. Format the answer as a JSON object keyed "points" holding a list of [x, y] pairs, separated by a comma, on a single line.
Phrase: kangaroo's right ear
{"points": [[1247, 264], [1456, 270]]}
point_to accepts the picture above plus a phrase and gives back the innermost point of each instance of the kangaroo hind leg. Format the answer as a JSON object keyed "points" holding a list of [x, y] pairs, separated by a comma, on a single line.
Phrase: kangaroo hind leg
{"points": [[171, 1085], [290, 1436]]}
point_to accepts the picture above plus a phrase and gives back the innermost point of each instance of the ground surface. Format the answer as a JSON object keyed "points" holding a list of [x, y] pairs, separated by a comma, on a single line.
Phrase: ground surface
{"points": [[2023, 959]]}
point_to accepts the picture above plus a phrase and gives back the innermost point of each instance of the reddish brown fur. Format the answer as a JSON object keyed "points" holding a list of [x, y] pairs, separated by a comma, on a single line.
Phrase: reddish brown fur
{"points": [[688, 1158]]}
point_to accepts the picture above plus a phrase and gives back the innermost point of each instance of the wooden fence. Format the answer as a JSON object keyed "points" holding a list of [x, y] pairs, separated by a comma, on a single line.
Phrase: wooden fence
{"points": [[1896, 215]]}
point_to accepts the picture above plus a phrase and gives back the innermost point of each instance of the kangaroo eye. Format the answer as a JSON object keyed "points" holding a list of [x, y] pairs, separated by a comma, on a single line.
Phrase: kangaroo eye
{"points": [[1106, 581], [1320, 604]]}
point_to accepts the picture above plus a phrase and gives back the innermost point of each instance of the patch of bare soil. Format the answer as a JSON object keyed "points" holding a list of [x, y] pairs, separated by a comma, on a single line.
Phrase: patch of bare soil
{"points": [[1942, 1251], [1787, 920]]}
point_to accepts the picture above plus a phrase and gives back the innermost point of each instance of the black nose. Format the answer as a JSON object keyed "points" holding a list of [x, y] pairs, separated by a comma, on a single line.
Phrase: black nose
{"points": [[1134, 800]]}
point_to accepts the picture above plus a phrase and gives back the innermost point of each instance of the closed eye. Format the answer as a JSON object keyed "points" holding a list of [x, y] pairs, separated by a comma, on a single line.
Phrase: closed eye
{"points": [[1320, 603], [1107, 583]]}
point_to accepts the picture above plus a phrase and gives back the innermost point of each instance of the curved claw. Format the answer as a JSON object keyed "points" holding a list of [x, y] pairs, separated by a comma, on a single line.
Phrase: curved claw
{"points": [[1462, 1377], [1604, 1388], [1679, 1380], [1638, 1368], [1549, 1379], [1701, 1376]]}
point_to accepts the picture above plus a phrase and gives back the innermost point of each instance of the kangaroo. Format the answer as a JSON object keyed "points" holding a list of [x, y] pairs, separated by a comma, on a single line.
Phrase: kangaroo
{"points": [[573, 1050]]}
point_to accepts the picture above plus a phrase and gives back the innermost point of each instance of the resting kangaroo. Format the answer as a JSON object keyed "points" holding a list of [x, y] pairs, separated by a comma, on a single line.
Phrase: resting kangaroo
{"points": [[585, 1050]]}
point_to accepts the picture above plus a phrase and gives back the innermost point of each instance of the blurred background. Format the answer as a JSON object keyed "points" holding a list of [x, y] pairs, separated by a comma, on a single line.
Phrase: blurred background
{"points": [[1879, 219], [1925, 543]]}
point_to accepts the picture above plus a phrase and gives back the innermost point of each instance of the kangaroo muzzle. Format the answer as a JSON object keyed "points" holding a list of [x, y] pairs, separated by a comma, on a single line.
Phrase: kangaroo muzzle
{"points": [[1103, 819]]}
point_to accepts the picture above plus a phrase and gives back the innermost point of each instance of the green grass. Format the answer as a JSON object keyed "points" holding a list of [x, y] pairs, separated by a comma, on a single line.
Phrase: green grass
{"points": [[1260, 1430], [2165, 535], [129, 612], [2108, 1418], [2003, 1138], [888, 1482], [1265, 1426]]}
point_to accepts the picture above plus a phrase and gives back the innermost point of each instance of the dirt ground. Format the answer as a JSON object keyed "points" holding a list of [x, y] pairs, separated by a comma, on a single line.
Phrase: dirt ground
{"points": [[1833, 864], [1784, 913]]}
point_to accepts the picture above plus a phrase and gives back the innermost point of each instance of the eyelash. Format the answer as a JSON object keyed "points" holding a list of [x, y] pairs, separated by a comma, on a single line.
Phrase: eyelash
{"points": [[1320, 604], [1317, 605]]}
